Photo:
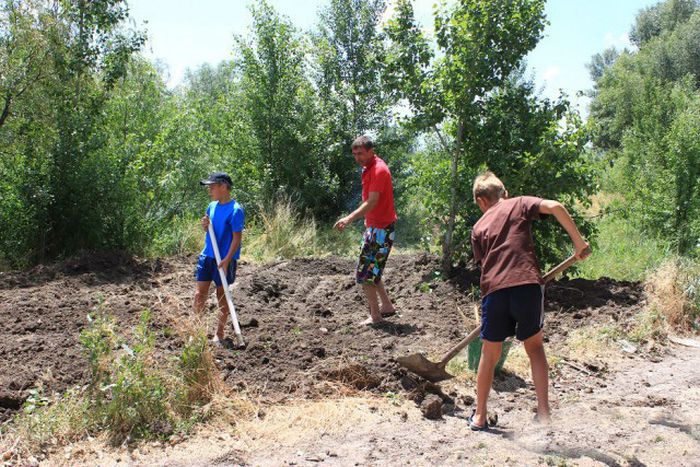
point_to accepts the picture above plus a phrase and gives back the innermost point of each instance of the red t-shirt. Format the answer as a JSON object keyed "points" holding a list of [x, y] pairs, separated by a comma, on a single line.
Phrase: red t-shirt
{"points": [[503, 245], [376, 177]]}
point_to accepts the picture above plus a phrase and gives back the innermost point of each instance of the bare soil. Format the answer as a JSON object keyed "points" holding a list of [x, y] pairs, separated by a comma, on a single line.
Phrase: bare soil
{"points": [[300, 320]]}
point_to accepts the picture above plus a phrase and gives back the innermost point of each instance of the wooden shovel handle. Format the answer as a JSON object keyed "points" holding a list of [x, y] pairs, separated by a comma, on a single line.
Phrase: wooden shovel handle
{"points": [[563, 266], [462, 344]]}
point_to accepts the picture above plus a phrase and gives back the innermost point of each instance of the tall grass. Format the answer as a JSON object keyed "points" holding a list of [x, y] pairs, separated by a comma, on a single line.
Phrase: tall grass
{"points": [[673, 294], [622, 252], [283, 233], [185, 235]]}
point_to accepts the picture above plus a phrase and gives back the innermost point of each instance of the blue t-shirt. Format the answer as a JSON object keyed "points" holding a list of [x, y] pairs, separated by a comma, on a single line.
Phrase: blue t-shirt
{"points": [[226, 219]]}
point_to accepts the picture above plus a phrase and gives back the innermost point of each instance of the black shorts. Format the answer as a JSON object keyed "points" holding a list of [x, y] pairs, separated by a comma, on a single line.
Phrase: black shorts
{"points": [[513, 311]]}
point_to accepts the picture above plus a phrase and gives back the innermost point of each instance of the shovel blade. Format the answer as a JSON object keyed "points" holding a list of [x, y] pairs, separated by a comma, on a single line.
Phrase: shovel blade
{"points": [[424, 368]]}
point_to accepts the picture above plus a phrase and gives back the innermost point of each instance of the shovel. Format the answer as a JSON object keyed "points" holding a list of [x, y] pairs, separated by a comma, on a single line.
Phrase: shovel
{"points": [[227, 292], [434, 372]]}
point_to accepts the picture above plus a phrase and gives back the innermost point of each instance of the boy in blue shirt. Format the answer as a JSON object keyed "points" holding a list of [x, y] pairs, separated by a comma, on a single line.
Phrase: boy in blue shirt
{"points": [[227, 218]]}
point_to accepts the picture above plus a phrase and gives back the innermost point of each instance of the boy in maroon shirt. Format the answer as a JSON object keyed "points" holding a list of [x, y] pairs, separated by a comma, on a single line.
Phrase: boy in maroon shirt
{"points": [[512, 289]]}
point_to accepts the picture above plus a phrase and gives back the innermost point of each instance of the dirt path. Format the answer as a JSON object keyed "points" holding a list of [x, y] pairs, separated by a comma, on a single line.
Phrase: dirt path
{"points": [[646, 414]]}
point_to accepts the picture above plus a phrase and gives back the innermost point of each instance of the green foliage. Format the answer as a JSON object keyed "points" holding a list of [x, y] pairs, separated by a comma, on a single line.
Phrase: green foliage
{"points": [[348, 57], [133, 392], [655, 20], [279, 102], [622, 251], [646, 116], [535, 145]]}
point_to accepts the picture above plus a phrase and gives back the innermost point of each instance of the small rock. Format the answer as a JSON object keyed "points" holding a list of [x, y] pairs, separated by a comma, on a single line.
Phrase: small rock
{"points": [[431, 407], [253, 323], [493, 419]]}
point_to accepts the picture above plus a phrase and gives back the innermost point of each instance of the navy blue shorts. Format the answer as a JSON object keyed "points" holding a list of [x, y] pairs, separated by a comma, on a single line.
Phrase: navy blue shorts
{"points": [[513, 311], [207, 271]]}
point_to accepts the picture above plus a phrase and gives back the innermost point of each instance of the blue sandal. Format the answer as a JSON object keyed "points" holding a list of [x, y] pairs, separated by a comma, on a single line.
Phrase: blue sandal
{"points": [[473, 426]]}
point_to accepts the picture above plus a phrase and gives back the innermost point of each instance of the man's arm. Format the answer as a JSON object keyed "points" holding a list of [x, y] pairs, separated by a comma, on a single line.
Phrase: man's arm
{"points": [[558, 210], [364, 208]]}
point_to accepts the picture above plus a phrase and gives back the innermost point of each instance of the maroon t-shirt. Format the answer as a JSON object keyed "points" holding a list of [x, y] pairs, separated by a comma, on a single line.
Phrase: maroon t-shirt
{"points": [[503, 245]]}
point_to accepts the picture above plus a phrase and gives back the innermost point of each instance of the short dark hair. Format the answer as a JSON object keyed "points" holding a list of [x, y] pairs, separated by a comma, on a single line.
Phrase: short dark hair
{"points": [[363, 141]]}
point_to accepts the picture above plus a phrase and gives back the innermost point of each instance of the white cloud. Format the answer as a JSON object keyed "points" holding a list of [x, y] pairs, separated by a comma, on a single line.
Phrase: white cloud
{"points": [[551, 72], [621, 41]]}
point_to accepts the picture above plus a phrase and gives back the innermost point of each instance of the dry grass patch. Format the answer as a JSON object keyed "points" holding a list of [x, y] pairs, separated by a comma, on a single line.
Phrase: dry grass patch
{"points": [[673, 293], [307, 421], [589, 344]]}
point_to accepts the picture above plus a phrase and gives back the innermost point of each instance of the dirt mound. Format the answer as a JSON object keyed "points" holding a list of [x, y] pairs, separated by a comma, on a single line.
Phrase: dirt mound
{"points": [[300, 320]]}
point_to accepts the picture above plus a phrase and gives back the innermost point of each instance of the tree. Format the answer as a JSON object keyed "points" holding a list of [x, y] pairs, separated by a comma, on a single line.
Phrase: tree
{"points": [[601, 62], [645, 118], [479, 43], [60, 61], [24, 54], [348, 64], [653, 21], [280, 104]]}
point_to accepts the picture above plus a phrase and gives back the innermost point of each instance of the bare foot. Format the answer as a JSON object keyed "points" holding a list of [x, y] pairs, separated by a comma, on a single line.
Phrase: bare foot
{"points": [[370, 321], [389, 312]]}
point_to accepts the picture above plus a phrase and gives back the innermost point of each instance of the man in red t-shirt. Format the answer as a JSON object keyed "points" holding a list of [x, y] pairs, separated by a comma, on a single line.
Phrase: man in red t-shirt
{"points": [[378, 209], [511, 284]]}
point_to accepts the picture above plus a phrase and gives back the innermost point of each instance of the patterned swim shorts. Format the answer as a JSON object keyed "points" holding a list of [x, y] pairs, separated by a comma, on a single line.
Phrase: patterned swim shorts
{"points": [[376, 246]]}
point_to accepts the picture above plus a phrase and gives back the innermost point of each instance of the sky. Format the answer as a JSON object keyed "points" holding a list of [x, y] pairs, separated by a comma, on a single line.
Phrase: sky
{"points": [[188, 33]]}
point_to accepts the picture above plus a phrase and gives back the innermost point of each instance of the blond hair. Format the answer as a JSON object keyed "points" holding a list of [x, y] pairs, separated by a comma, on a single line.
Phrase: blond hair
{"points": [[487, 185]]}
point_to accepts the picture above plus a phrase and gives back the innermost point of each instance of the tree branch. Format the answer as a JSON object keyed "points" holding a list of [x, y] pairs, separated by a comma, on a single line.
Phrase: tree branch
{"points": [[441, 138], [5, 110]]}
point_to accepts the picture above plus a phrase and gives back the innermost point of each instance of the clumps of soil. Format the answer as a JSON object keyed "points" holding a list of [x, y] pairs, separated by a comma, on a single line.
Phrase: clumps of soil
{"points": [[299, 317], [353, 375]]}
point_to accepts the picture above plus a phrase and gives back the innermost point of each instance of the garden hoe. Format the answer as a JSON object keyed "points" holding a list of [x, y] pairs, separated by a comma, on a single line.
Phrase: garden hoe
{"points": [[434, 372], [227, 292]]}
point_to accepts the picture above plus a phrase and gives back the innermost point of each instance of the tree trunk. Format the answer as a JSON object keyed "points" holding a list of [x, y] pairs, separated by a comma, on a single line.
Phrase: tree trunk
{"points": [[5, 111], [448, 244]]}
